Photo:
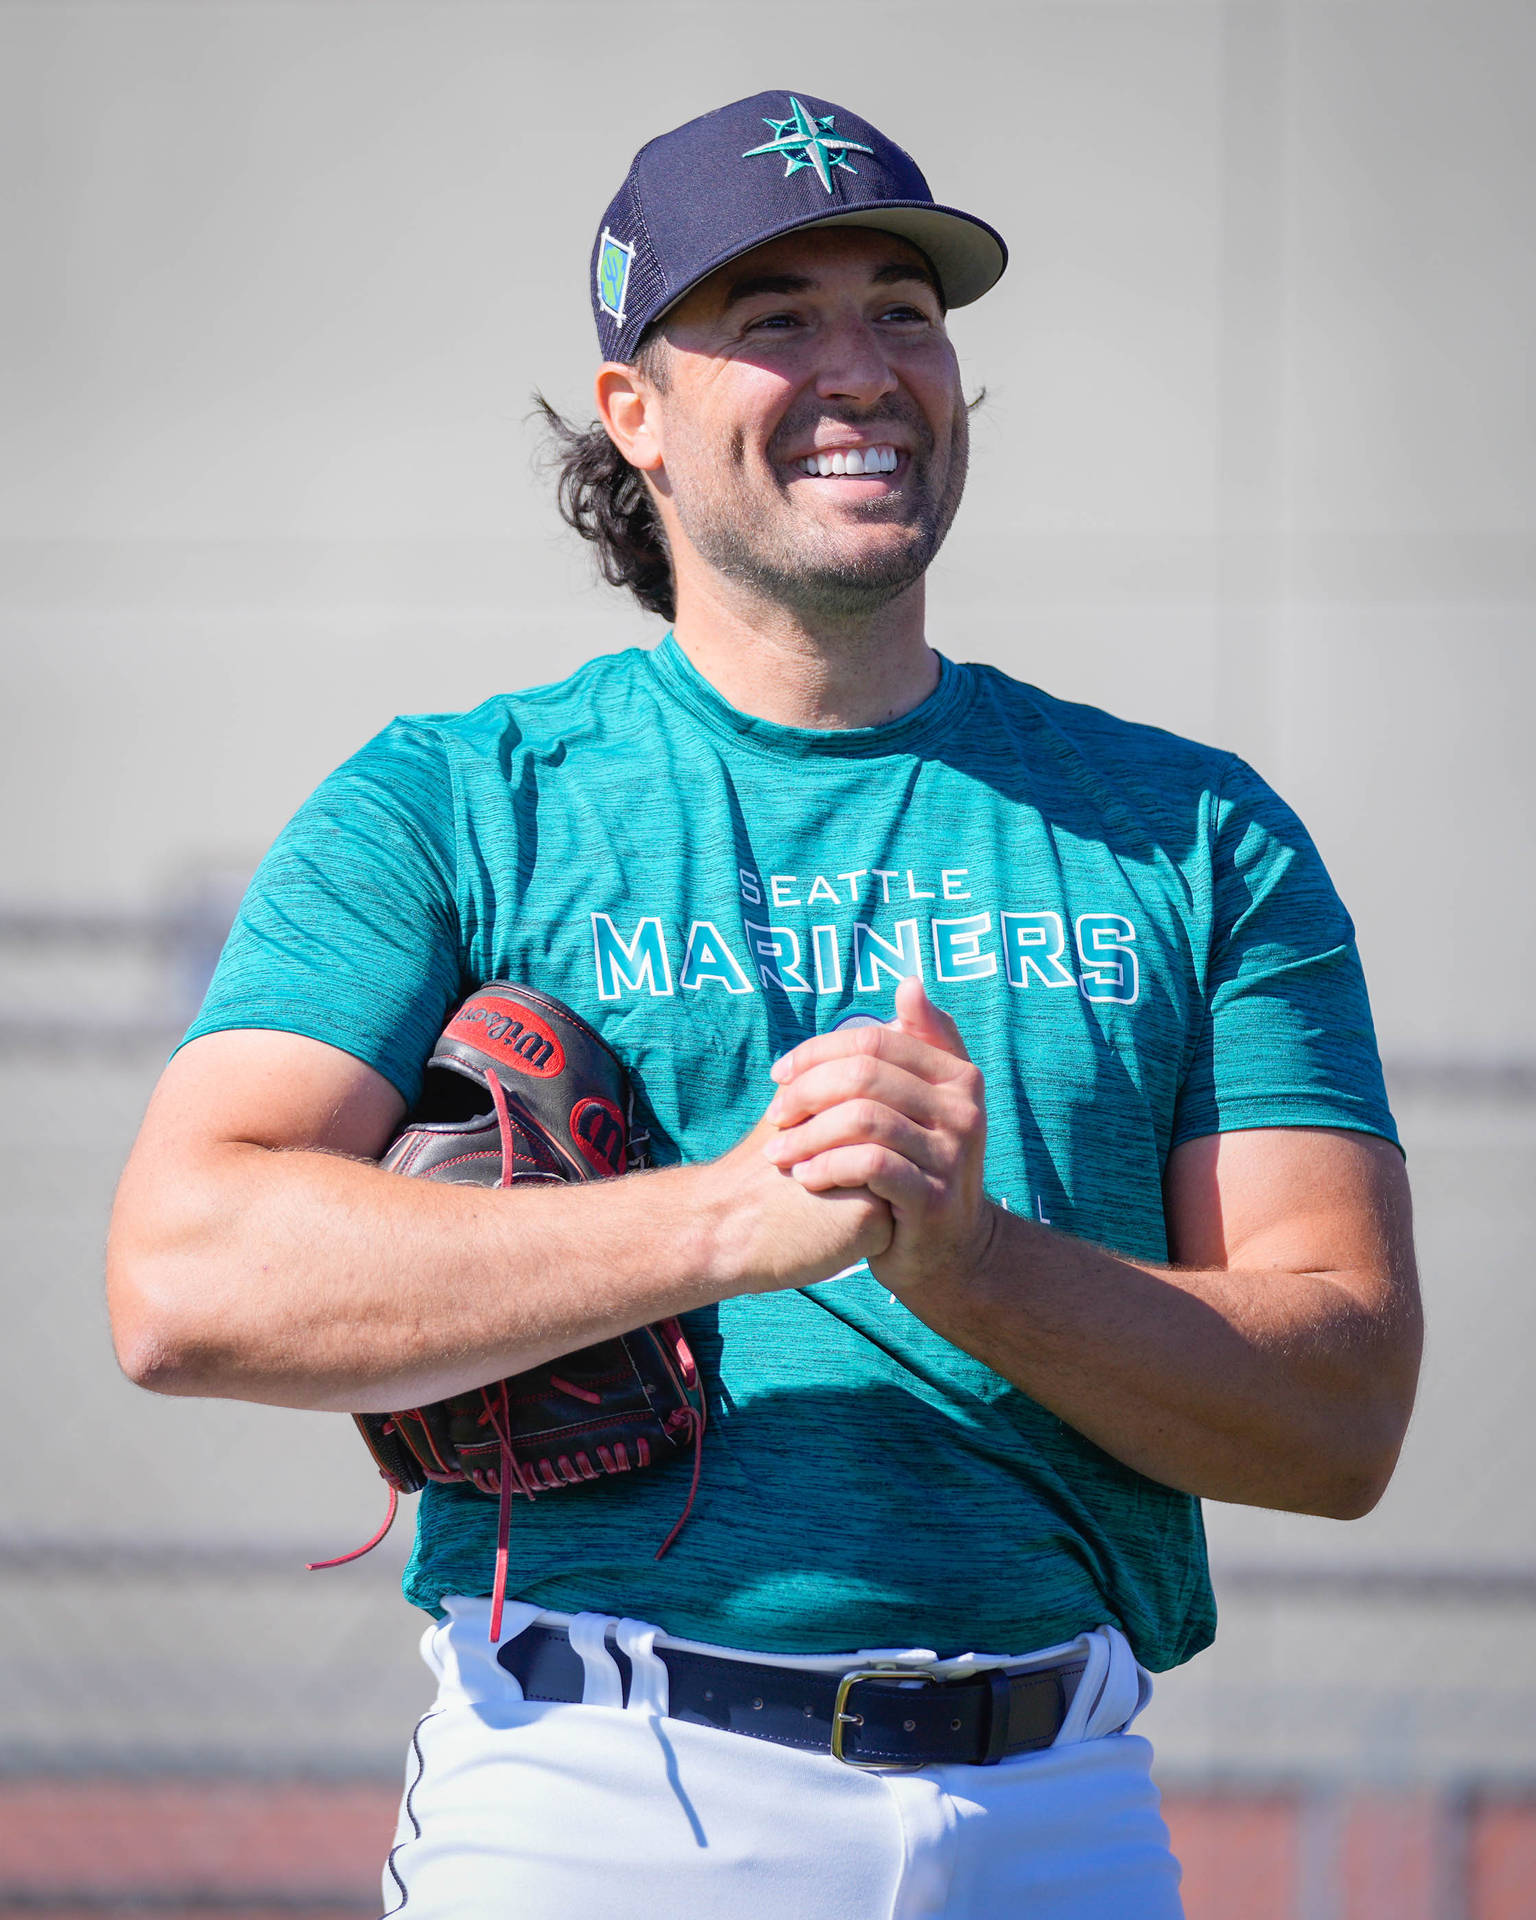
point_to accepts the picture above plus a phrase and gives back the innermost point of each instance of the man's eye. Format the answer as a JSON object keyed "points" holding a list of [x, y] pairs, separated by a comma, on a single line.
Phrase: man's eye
{"points": [[905, 312], [776, 322]]}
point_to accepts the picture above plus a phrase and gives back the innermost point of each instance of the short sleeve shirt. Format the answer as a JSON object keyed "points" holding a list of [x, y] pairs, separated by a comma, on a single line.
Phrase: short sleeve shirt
{"points": [[1139, 943]]}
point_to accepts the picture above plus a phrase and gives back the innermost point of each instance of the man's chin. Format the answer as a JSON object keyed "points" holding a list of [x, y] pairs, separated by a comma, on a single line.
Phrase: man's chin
{"points": [[855, 585], [847, 566], [864, 545]]}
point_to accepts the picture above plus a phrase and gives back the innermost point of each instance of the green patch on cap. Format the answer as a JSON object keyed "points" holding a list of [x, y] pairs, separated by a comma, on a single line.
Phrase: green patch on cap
{"points": [[614, 259]]}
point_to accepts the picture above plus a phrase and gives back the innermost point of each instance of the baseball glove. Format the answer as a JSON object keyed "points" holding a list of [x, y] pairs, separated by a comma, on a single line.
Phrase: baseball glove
{"points": [[521, 1091]]}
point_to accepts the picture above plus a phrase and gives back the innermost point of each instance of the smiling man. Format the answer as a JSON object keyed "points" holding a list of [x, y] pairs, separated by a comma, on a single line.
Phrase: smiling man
{"points": [[814, 516], [1025, 1171]]}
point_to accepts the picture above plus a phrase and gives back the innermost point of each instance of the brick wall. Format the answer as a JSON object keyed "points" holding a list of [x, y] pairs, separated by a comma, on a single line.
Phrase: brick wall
{"points": [[303, 1851]]}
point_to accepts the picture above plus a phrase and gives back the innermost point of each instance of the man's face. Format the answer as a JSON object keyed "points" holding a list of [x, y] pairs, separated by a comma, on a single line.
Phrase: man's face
{"points": [[822, 351]]}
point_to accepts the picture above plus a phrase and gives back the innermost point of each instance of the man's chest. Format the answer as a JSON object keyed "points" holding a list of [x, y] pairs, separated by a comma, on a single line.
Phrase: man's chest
{"points": [[708, 925]]}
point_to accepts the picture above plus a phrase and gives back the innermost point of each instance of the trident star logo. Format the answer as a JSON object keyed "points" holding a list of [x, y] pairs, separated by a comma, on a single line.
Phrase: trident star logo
{"points": [[808, 141]]}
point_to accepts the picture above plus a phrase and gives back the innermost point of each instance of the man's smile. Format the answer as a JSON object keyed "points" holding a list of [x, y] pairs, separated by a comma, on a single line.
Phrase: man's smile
{"points": [[850, 460]]}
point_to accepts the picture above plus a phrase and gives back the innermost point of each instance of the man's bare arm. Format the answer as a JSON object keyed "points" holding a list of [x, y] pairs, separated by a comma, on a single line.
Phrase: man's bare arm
{"points": [[256, 1254], [1277, 1369], [1273, 1365]]}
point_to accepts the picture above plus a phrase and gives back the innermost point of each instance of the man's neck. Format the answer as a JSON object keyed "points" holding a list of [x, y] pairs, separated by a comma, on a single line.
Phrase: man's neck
{"points": [[799, 671]]}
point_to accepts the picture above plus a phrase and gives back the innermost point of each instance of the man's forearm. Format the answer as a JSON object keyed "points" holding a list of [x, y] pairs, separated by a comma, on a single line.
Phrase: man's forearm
{"points": [[306, 1279], [302, 1276], [1262, 1386]]}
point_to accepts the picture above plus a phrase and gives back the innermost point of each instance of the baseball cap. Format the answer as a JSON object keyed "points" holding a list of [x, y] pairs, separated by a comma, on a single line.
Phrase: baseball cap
{"points": [[723, 184]]}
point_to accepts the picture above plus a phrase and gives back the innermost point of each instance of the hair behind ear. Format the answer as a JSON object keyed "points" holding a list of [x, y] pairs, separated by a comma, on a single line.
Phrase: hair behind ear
{"points": [[604, 499]]}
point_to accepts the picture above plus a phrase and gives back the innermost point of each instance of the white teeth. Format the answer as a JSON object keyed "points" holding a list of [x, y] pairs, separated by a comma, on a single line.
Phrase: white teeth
{"points": [[850, 460]]}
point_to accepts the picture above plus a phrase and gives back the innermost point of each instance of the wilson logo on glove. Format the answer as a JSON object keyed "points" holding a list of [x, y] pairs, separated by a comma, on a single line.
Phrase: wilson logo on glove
{"points": [[598, 1129], [622, 1404], [511, 1033]]}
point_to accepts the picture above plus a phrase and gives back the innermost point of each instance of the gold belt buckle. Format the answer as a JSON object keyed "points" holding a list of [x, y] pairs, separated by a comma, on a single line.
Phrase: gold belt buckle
{"points": [[841, 1717]]}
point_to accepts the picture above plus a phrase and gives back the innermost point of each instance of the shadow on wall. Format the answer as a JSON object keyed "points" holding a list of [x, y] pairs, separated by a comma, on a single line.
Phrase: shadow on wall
{"points": [[139, 975]]}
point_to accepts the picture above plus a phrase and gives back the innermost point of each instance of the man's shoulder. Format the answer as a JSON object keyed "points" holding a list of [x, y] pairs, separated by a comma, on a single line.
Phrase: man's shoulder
{"points": [[1096, 737], [602, 693]]}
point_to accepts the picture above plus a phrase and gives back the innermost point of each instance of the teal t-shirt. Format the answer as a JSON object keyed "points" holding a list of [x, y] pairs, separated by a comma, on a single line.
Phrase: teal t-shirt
{"points": [[1139, 943]]}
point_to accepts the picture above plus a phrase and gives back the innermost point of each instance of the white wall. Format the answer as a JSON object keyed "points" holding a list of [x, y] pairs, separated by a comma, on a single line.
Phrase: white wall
{"points": [[1257, 464]]}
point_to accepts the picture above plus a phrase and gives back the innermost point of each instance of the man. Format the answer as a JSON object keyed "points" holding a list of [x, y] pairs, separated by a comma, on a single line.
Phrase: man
{"points": [[1072, 1195]]}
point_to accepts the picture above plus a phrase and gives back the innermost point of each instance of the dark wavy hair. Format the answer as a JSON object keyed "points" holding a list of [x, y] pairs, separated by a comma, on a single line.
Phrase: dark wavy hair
{"points": [[604, 499]]}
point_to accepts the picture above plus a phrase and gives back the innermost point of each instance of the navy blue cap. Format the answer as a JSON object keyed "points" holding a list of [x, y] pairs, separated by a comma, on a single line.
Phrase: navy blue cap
{"points": [[726, 182]]}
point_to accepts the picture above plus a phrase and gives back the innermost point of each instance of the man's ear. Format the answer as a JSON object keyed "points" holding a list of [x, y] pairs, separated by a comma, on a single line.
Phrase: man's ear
{"points": [[630, 410]]}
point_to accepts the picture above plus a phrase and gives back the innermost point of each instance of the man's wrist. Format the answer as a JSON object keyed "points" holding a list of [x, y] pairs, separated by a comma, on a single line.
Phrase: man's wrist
{"points": [[964, 1273], [699, 1220]]}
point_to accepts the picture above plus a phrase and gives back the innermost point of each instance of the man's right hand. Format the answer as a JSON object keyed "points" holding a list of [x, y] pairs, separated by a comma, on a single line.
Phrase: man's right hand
{"points": [[769, 1237]]}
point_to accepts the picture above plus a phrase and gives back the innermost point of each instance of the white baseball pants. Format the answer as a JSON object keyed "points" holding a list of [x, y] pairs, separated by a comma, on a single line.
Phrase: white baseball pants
{"points": [[526, 1810]]}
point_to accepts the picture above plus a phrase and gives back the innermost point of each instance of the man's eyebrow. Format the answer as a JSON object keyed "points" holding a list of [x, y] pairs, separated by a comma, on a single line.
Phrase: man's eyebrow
{"points": [[752, 285], [899, 270]]}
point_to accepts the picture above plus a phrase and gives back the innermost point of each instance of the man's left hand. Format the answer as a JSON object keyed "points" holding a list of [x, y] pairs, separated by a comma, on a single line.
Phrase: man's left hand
{"points": [[899, 1109]]}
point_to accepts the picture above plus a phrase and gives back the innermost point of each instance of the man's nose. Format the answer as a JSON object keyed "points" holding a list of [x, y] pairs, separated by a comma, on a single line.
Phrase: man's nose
{"points": [[854, 365]]}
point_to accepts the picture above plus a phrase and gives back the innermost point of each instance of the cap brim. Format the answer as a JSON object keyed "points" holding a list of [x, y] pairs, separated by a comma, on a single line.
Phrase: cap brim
{"points": [[967, 254]]}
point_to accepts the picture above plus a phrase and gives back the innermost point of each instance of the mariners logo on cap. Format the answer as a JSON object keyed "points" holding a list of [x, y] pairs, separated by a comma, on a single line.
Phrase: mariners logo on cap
{"points": [[614, 260], [807, 140]]}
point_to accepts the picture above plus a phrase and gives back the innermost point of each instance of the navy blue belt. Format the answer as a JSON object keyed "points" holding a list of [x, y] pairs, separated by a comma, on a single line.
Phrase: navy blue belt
{"points": [[870, 1716]]}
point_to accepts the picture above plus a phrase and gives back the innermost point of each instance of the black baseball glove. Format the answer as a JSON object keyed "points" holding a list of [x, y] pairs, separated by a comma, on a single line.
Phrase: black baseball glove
{"points": [[520, 1090]]}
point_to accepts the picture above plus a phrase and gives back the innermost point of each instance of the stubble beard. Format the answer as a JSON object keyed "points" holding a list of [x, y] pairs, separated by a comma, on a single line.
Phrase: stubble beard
{"points": [[805, 566]]}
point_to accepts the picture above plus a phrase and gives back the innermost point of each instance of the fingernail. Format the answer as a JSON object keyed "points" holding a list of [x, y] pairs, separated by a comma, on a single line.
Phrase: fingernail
{"points": [[779, 1070], [774, 1108]]}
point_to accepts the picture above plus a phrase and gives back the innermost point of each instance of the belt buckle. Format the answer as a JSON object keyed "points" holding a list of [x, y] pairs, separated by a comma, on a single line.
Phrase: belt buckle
{"points": [[841, 1717]]}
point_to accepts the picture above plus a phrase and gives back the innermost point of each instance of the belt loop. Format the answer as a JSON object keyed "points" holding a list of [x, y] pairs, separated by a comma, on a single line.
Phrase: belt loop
{"points": [[1123, 1694], [1110, 1693], [1001, 1707], [1096, 1651], [649, 1680], [601, 1684]]}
